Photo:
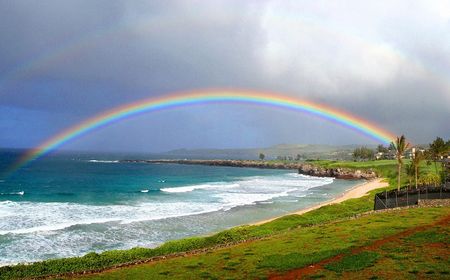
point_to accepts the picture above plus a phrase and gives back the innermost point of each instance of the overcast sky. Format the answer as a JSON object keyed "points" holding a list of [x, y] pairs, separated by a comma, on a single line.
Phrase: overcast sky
{"points": [[64, 61]]}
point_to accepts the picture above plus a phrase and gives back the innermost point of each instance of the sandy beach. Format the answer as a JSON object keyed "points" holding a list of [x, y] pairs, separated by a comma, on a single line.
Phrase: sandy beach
{"points": [[355, 192]]}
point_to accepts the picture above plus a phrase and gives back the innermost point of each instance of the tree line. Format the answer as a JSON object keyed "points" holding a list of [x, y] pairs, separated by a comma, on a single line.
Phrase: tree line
{"points": [[437, 151]]}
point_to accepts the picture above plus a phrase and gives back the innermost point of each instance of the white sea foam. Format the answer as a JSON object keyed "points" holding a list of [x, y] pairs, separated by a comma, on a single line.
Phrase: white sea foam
{"points": [[231, 200], [28, 217], [103, 161], [200, 187], [62, 229], [13, 193]]}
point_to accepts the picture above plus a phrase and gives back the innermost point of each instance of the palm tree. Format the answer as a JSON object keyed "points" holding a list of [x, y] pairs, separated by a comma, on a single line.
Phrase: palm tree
{"points": [[399, 146], [410, 169], [418, 156], [437, 149]]}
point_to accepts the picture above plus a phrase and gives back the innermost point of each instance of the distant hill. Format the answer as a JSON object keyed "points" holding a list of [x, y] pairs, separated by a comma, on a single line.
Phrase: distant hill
{"points": [[306, 151]]}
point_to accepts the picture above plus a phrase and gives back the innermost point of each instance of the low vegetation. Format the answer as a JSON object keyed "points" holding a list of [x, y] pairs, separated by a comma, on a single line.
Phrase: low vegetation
{"points": [[354, 262]]}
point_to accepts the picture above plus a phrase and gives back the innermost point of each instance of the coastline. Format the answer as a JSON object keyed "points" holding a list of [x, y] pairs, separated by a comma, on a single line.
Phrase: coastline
{"points": [[305, 168], [354, 192]]}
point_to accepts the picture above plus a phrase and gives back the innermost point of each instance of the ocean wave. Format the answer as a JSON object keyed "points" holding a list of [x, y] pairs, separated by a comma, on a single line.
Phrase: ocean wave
{"points": [[286, 180], [30, 217], [25, 217], [55, 227], [103, 161], [232, 200], [13, 193], [199, 187]]}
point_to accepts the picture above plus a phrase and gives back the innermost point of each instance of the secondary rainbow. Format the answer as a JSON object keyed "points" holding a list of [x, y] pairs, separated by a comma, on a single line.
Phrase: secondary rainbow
{"points": [[204, 97]]}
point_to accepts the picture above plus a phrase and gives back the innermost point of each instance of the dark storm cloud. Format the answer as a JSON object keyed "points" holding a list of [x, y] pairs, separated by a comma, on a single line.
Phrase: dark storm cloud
{"points": [[88, 56]]}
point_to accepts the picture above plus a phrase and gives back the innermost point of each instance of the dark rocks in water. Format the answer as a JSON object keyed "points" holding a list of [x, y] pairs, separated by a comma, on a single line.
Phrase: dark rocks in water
{"points": [[303, 168], [339, 173]]}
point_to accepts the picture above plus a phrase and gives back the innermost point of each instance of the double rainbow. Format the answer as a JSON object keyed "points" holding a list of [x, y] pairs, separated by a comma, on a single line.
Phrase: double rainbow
{"points": [[204, 97]]}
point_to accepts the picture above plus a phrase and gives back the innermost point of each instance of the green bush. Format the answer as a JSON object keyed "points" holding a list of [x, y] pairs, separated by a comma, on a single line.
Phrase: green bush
{"points": [[430, 179]]}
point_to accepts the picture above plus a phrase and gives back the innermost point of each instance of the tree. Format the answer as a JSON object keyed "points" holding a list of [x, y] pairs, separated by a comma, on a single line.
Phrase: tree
{"points": [[399, 147], [437, 149], [410, 169], [261, 156], [363, 153], [382, 149], [418, 156]]}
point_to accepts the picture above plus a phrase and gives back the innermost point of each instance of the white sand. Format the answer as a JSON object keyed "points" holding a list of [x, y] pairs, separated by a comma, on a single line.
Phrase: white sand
{"points": [[355, 192]]}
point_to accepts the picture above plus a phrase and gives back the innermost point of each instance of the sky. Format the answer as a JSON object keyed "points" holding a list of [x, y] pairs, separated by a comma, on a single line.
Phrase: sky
{"points": [[64, 61]]}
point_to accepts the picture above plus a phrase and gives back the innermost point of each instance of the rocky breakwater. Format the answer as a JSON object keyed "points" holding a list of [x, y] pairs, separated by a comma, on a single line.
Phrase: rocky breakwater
{"points": [[339, 173], [302, 167]]}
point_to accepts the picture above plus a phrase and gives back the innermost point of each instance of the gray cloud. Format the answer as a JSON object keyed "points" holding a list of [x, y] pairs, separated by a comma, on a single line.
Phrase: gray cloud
{"points": [[388, 62]]}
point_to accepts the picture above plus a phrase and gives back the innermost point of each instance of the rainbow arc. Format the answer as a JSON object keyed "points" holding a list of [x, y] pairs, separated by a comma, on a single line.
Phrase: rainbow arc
{"points": [[180, 99]]}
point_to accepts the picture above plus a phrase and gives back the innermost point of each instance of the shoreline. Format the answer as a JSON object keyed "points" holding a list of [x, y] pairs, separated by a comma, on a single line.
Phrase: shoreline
{"points": [[302, 167], [354, 192]]}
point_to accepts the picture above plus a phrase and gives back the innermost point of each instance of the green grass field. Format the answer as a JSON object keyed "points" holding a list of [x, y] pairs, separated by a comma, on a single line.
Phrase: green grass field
{"points": [[284, 244], [303, 246], [384, 168]]}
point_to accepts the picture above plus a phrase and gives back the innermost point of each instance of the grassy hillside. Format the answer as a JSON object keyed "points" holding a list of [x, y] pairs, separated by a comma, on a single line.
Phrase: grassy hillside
{"points": [[301, 247], [384, 168], [306, 151]]}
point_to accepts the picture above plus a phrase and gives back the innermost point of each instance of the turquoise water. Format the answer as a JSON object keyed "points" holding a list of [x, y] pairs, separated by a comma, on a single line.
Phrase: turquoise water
{"points": [[70, 204]]}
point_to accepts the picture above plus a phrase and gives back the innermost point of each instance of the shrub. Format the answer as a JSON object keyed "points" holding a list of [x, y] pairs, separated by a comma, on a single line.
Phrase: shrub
{"points": [[429, 179]]}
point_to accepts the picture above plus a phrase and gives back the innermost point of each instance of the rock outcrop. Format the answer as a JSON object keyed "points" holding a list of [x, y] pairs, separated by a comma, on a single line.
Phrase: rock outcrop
{"points": [[339, 173]]}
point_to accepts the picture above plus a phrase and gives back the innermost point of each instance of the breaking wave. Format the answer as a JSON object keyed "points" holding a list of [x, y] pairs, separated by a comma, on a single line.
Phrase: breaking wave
{"points": [[103, 161]]}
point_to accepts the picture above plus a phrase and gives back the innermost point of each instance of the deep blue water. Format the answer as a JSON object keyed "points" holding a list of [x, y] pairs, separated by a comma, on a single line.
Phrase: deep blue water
{"points": [[100, 179], [69, 204]]}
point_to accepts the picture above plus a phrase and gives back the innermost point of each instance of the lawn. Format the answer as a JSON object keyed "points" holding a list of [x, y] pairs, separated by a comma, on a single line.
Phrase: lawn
{"points": [[303, 246], [384, 168], [422, 255]]}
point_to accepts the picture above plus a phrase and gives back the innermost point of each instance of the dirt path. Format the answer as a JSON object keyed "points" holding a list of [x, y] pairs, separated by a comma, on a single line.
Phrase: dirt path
{"points": [[301, 272]]}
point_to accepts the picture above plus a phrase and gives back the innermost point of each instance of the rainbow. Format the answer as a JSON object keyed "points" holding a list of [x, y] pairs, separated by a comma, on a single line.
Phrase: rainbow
{"points": [[204, 97]]}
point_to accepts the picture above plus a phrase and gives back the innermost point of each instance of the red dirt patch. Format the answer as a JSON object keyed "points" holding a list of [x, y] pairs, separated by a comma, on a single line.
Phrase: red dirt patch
{"points": [[301, 272], [436, 245]]}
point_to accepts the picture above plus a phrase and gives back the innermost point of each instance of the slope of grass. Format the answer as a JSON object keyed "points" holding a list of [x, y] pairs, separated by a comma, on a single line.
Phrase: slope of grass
{"points": [[423, 255], [354, 262], [295, 248], [384, 168]]}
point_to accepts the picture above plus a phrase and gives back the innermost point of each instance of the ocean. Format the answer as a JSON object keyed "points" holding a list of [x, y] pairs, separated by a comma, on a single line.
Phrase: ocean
{"points": [[69, 204]]}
